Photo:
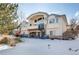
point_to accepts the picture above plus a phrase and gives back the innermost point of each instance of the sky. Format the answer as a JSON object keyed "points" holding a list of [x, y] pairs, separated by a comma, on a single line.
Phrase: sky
{"points": [[71, 10]]}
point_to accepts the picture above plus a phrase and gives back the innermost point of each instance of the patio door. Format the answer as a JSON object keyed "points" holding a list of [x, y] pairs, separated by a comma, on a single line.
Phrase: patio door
{"points": [[32, 34]]}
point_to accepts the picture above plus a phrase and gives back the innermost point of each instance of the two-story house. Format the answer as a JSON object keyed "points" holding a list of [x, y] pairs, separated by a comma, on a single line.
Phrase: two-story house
{"points": [[37, 23], [41, 23]]}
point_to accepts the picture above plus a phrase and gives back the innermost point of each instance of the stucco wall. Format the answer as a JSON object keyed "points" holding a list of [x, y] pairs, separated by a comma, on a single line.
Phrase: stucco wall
{"points": [[57, 28]]}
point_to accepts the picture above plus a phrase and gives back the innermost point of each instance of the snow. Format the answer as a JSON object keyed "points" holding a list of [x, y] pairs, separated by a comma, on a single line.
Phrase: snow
{"points": [[3, 47], [32, 46]]}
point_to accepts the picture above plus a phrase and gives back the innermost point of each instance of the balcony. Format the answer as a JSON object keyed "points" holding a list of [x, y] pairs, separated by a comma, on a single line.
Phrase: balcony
{"points": [[33, 27], [38, 25]]}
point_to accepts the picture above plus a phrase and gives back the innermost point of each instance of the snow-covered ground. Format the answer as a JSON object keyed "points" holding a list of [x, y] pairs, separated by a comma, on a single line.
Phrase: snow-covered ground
{"points": [[3, 47], [32, 46]]}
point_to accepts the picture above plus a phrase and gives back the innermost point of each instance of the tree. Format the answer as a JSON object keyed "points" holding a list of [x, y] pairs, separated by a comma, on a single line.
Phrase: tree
{"points": [[71, 32], [8, 13], [73, 23]]}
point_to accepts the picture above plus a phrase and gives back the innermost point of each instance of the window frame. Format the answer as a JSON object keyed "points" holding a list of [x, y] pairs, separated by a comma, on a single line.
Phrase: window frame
{"points": [[57, 20], [51, 32], [52, 21]]}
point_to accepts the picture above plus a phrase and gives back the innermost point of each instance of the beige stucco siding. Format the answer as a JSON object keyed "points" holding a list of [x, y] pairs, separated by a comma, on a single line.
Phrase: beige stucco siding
{"points": [[57, 28]]}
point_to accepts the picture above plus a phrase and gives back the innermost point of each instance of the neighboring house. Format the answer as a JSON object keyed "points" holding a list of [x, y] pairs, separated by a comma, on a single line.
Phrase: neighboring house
{"points": [[77, 29], [23, 27], [41, 24]]}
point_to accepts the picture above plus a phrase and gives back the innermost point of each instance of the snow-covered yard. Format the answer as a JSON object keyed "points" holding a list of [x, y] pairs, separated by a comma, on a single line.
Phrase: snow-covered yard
{"points": [[3, 47], [32, 46]]}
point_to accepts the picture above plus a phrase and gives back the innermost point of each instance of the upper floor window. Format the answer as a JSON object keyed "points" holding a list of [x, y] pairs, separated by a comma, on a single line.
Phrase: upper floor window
{"points": [[52, 21], [43, 17], [56, 20], [39, 19], [35, 20]]}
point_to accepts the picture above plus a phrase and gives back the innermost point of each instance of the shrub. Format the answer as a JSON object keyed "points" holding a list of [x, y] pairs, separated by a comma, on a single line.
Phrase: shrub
{"points": [[70, 33], [4, 40], [17, 39], [10, 41]]}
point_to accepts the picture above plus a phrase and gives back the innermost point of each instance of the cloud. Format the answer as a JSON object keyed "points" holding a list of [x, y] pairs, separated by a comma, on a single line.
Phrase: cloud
{"points": [[77, 17], [58, 12], [77, 14]]}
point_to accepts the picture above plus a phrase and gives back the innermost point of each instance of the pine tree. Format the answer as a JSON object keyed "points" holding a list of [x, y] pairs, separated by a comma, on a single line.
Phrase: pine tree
{"points": [[8, 13]]}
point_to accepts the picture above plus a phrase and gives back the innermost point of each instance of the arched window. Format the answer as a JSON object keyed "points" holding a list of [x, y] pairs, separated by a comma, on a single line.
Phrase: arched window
{"points": [[35, 20]]}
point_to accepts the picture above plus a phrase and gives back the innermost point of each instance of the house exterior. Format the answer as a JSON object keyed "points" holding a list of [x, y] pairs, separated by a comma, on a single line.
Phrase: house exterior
{"points": [[77, 29], [41, 24], [57, 24], [37, 23], [23, 27]]}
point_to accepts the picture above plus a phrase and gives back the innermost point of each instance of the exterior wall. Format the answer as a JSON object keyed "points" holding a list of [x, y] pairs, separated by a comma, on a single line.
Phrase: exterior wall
{"points": [[34, 17], [57, 28], [35, 25], [24, 31], [24, 27]]}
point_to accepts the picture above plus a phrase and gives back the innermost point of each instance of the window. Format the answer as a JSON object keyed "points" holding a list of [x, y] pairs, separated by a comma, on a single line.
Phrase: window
{"points": [[35, 20], [39, 19], [41, 26], [52, 21], [51, 32], [30, 24], [43, 17], [56, 20]]}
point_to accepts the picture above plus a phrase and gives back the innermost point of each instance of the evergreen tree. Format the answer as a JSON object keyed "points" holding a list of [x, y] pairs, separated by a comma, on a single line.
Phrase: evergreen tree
{"points": [[8, 13]]}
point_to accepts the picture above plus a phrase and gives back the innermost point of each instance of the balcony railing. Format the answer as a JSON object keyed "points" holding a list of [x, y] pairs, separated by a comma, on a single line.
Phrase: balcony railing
{"points": [[41, 26], [38, 25], [33, 27]]}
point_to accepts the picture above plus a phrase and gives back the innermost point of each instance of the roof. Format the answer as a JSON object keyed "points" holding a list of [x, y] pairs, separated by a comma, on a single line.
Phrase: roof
{"points": [[56, 15], [37, 13], [65, 19]]}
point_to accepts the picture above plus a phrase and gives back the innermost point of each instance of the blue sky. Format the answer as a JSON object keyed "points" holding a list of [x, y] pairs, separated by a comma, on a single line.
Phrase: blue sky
{"points": [[70, 10]]}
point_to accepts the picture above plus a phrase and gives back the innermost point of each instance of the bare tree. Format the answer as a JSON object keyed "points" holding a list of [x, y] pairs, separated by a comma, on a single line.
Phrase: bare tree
{"points": [[71, 32], [73, 23]]}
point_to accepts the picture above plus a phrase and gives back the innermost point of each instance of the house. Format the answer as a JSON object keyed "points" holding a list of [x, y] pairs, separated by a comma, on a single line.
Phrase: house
{"points": [[23, 28], [41, 24], [77, 30]]}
